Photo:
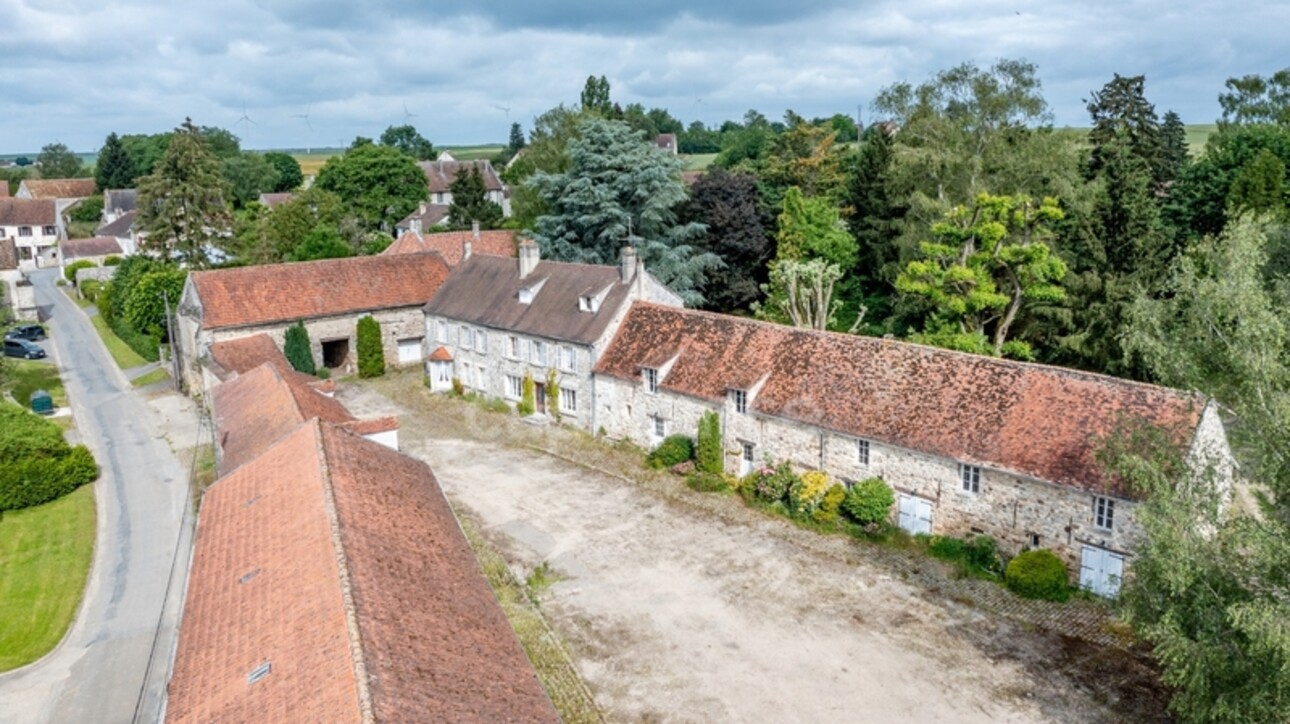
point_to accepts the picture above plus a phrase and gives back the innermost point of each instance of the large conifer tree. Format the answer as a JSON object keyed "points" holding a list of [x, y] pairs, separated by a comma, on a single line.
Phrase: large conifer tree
{"points": [[184, 209]]}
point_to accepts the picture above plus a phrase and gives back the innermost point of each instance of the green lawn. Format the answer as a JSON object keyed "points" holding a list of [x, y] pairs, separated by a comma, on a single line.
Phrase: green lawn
{"points": [[472, 153], [699, 161], [31, 375], [152, 377], [45, 555], [120, 351]]}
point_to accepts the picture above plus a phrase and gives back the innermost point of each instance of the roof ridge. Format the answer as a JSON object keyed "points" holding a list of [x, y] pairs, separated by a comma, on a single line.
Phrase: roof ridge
{"points": [[357, 658], [826, 334], [316, 262]]}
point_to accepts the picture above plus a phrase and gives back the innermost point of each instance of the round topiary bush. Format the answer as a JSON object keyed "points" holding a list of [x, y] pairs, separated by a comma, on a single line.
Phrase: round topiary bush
{"points": [[1038, 574], [869, 501], [674, 450]]}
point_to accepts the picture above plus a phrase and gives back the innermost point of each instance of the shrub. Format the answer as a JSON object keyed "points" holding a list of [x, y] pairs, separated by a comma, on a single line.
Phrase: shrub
{"points": [[869, 501], [982, 553], [70, 270], [90, 290], [674, 450], [371, 356], [112, 260], [526, 406], [807, 494], [706, 482], [553, 393], [89, 210], [323, 373], [39, 465], [708, 452], [827, 512], [297, 349], [458, 389], [946, 548], [1038, 574], [770, 485]]}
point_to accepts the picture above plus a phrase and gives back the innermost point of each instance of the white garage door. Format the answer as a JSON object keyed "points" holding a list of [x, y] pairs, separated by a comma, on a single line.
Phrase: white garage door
{"points": [[915, 514], [409, 351], [1100, 571]]}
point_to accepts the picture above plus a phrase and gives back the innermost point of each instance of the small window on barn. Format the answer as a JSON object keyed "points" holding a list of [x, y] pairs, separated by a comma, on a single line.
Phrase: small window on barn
{"points": [[481, 341], [970, 475], [862, 452], [1103, 512], [740, 398], [649, 376], [513, 347]]}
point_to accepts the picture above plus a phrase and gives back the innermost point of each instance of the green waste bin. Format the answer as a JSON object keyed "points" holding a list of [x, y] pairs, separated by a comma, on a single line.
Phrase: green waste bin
{"points": [[42, 403]]}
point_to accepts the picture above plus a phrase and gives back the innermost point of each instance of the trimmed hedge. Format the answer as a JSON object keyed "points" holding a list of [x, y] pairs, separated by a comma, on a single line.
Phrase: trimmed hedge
{"points": [[1038, 574], [36, 463], [371, 356], [674, 450], [70, 270], [869, 501]]}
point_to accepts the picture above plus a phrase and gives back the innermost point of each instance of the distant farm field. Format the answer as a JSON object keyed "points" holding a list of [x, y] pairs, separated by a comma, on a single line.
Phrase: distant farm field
{"points": [[311, 162], [1197, 135]]}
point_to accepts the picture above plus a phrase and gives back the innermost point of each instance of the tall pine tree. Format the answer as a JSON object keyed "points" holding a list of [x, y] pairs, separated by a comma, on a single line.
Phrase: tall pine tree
{"points": [[874, 222], [470, 202], [114, 169], [184, 209]]}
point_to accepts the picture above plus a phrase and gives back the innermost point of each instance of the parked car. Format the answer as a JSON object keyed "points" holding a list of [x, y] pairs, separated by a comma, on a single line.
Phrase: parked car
{"points": [[23, 348], [32, 332]]}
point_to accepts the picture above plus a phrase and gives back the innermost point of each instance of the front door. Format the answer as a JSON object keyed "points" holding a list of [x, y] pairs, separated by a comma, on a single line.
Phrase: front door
{"points": [[539, 398], [915, 514], [1100, 571]]}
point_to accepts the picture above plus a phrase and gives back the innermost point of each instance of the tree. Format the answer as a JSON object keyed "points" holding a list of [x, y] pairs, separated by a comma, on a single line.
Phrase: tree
{"points": [[1254, 99], [802, 292], [56, 161], [322, 242], [738, 225], [804, 156], [620, 189], [709, 452], [748, 142], [811, 229], [145, 151], [989, 262], [1174, 153], [297, 349], [183, 203], [1122, 114], [1259, 186], [548, 151], [874, 219], [113, 170], [379, 184], [1198, 201], [289, 174], [405, 138], [470, 202], [371, 355], [145, 304], [595, 96], [249, 175], [517, 139]]}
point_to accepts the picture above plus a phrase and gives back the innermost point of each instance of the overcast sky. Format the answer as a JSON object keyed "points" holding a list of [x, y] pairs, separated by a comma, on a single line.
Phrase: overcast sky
{"points": [[73, 70]]}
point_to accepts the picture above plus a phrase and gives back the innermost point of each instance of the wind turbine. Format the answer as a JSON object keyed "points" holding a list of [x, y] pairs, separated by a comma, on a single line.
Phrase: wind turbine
{"points": [[406, 113], [245, 118], [504, 109], [305, 116]]}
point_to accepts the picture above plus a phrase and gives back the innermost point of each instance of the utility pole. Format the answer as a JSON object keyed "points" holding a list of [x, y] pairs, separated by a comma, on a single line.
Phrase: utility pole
{"points": [[170, 334]]}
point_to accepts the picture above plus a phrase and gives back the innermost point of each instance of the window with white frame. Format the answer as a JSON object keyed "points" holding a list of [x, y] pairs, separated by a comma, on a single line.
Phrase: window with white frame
{"points": [[1103, 512], [537, 353], [24, 231], [658, 429], [747, 457], [740, 398], [568, 358], [649, 376], [514, 387], [441, 331], [568, 400], [513, 347], [481, 341], [50, 231], [862, 452], [970, 475], [465, 339]]}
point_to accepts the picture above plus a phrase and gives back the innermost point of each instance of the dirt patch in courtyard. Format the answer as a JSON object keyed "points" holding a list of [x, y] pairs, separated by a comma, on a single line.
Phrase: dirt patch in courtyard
{"points": [[678, 606]]}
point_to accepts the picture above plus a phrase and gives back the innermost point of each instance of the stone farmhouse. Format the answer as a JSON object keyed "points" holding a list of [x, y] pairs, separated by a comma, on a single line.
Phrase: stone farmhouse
{"points": [[64, 192], [423, 218], [970, 444], [122, 229], [298, 604], [95, 249], [328, 296], [456, 246], [441, 173], [35, 227], [497, 319]]}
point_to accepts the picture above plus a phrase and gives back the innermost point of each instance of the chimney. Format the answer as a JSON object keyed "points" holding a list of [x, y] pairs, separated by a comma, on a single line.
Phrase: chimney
{"points": [[465, 250], [474, 229], [627, 269], [415, 225], [528, 257], [422, 210]]}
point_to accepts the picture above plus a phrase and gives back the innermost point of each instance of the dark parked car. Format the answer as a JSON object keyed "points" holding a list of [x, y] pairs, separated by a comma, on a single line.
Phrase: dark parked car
{"points": [[32, 332], [23, 348]]}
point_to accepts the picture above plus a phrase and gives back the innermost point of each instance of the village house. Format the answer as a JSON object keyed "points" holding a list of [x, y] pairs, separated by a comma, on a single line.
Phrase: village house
{"points": [[423, 218], [441, 173], [273, 200], [64, 192], [970, 444], [328, 296], [457, 246], [330, 581], [122, 229], [118, 202], [95, 250], [35, 227], [497, 319]]}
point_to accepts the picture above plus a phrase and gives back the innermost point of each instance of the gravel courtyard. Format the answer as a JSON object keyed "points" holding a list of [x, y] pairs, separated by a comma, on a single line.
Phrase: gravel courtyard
{"points": [[682, 607]]}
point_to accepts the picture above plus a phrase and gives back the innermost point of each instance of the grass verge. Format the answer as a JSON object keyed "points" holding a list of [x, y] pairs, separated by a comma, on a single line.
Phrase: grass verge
{"points": [[27, 376], [45, 555], [80, 301], [151, 378], [554, 669], [120, 351]]}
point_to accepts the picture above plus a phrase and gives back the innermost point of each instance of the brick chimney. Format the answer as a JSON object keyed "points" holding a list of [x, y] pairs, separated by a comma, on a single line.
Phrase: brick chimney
{"points": [[529, 257], [627, 268]]}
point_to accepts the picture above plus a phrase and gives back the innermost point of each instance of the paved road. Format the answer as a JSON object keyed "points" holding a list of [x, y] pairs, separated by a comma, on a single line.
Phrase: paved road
{"points": [[98, 672]]}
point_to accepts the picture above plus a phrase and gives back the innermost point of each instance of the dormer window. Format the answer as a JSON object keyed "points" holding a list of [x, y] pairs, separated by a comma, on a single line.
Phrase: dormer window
{"points": [[588, 304], [529, 293], [740, 398], [649, 376]]}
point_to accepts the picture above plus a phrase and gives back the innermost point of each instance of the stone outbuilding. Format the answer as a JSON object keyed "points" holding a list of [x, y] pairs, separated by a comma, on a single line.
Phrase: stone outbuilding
{"points": [[970, 444]]}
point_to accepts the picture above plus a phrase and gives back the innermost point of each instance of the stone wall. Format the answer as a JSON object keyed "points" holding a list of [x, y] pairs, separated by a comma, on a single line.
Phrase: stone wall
{"points": [[1010, 508]]}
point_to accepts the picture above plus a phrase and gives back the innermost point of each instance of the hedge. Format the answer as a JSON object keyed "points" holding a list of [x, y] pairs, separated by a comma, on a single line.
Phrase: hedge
{"points": [[70, 270], [674, 450], [36, 463]]}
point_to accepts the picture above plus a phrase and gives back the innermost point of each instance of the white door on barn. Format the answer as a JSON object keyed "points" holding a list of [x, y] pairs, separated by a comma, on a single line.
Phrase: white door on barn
{"points": [[915, 514], [1100, 571], [409, 351]]}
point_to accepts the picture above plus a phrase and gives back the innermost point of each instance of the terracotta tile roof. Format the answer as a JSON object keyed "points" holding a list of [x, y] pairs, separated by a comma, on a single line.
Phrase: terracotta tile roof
{"points": [[27, 212], [440, 650], [60, 188], [441, 174], [120, 200], [485, 290], [81, 248], [307, 290], [451, 244], [372, 426], [260, 407], [4, 189], [120, 228], [272, 200], [1035, 420], [264, 588], [441, 355], [428, 214], [233, 357]]}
